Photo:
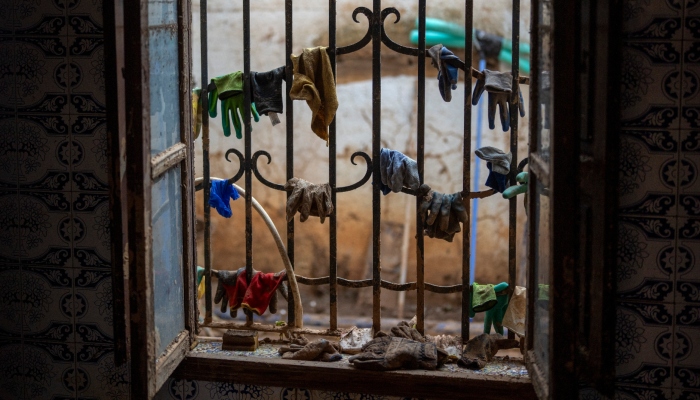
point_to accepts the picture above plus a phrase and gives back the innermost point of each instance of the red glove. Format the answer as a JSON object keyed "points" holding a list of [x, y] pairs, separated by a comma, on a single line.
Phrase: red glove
{"points": [[262, 288]]}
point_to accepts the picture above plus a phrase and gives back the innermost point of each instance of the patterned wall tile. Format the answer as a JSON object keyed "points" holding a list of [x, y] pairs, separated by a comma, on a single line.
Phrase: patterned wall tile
{"points": [[88, 92], [642, 393], [102, 379], [44, 152], [689, 163], [10, 227], [49, 304], [651, 84], [652, 20], [648, 164], [94, 289], [47, 228], [39, 17], [646, 258], [644, 344], [688, 244], [691, 84], [92, 245], [11, 372], [90, 164], [692, 20], [11, 302], [40, 72], [687, 358], [227, 390], [85, 17], [686, 394], [9, 156], [53, 374]]}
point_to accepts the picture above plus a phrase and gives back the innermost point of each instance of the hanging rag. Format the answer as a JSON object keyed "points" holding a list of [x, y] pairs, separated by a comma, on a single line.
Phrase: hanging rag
{"points": [[494, 316], [442, 214], [514, 318], [318, 350], [220, 197], [314, 82], [499, 86], [267, 90], [483, 298], [448, 71], [262, 292], [229, 90], [387, 353], [196, 113], [230, 290], [498, 158], [481, 349], [309, 199], [397, 171]]}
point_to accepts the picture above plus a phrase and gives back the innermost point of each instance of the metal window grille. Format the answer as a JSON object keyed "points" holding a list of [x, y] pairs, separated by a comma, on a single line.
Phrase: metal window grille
{"points": [[375, 35]]}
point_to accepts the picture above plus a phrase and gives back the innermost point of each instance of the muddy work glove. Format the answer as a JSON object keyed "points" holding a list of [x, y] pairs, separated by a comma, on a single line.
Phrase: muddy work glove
{"points": [[442, 214], [262, 292], [389, 353], [403, 330], [448, 70], [318, 350], [267, 90], [481, 349], [229, 90], [499, 87], [309, 199], [231, 290], [397, 171]]}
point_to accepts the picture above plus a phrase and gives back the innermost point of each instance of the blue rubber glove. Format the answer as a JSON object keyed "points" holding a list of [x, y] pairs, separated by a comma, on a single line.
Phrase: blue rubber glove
{"points": [[220, 196]]}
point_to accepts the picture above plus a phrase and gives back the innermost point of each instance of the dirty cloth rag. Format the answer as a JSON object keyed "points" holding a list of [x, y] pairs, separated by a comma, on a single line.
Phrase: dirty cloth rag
{"points": [[314, 82]]}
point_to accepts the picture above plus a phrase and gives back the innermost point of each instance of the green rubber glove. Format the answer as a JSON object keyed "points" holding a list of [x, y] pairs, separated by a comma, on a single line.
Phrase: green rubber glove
{"points": [[522, 178], [495, 315], [483, 298], [229, 91]]}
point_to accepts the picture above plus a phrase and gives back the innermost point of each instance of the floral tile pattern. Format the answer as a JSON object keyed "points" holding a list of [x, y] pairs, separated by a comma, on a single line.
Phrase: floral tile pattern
{"points": [[687, 361], [689, 182], [648, 172], [10, 227], [99, 377], [52, 367], [646, 258], [652, 19]]}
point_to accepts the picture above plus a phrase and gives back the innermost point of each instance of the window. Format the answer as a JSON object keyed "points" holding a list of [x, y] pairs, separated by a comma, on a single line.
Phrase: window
{"points": [[156, 198]]}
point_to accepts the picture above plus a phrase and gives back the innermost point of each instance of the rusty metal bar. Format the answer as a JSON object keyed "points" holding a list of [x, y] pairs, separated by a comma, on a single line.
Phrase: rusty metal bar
{"points": [[420, 158], [247, 137], [514, 106], [466, 167], [205, 159], [333, 242], [376, 146], [289, 117]]}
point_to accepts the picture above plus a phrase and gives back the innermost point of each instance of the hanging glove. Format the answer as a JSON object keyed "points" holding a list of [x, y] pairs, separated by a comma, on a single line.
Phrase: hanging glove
{"points": [[220, 197], [267, 90], [483, 298], [397, 171], [522, 178], [231, 290], [481, 349], [308, 199], [229, 91], [442, 214], [499, 86], [448, 72], [496, 181], [389, 353], [318, 350], [495, 315], [262, 291]]}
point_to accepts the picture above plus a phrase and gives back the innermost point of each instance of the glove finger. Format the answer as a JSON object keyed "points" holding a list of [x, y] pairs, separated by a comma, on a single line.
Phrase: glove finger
{"points": [[425, 205], [233, 313], [294, 202], [435, 207], [478, 90], [444, 217], [211, 98], [521, 103], [236, 121], [320, 205], [504, 114], [254, 111], [224, 302], [492, 111], [225, 120], [458, 209], [327, 201], [306, 204]]}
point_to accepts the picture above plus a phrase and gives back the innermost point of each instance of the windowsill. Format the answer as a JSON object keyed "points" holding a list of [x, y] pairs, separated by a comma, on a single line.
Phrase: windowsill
{"points": [[501, 378]]}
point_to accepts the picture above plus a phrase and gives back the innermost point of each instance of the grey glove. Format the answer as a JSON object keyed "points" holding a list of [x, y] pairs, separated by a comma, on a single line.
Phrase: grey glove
{"points": [[499, 86], [442, 214], [318, 350], [267, 90], [308, 199], [397, 170], [448, 70], [403, 330], [389, 353], [500, 161], [480, 349]]}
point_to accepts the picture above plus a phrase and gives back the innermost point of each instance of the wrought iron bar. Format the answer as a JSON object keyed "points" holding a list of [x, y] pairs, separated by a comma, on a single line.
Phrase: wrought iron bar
{"points": [[205, 159], [376, 144], [514, 106], [420, 159], [466, 167], [333, 240], [247, 137]]}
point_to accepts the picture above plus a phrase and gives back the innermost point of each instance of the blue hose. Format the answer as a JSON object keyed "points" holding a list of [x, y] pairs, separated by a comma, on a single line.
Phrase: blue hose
{"points": [[475, 186]]}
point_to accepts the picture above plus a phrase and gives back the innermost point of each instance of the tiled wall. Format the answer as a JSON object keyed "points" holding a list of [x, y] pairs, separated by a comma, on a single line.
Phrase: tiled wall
{"points": [[658, 310], [55, 285]]}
